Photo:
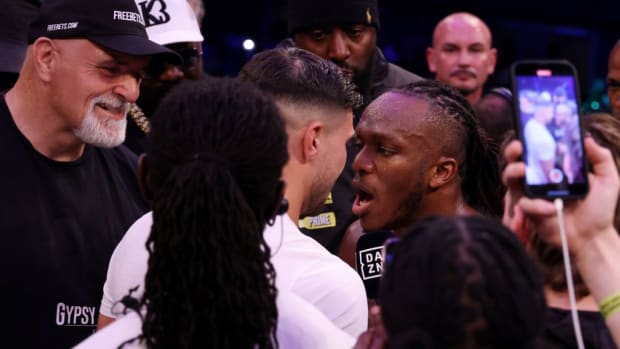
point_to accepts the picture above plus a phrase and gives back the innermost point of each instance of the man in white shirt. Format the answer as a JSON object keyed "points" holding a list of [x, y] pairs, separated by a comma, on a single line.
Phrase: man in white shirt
{"points": [[316, 102], [540, 145]]}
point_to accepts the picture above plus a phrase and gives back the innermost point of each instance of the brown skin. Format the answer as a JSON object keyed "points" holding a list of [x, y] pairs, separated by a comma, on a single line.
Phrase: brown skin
{"points": [[461, 55], [613, 80], [162, 76], [401, 174], [351, 47]]}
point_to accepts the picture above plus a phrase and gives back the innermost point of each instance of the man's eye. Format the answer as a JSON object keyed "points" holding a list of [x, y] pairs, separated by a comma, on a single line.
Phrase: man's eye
{"points": [[110, 70], [613, 84], [385, 151], [318, 34], [354, 32]]}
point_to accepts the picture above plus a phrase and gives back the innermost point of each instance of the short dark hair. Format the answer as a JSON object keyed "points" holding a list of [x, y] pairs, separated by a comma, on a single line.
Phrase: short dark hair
{"points": [[214, 157], [461, 282], [481, 184], [298, 76]]}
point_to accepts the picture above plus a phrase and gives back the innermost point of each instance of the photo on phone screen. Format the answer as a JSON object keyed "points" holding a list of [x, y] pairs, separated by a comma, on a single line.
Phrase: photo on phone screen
{"points": [[549, 126]]}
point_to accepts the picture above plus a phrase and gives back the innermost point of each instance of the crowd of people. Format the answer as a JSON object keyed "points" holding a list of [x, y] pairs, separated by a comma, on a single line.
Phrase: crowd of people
{"points": [[322, 198]]}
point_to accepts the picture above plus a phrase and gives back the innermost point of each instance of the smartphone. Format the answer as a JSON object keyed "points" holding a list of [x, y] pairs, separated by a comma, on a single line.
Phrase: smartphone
{"points": [[549, 125]]}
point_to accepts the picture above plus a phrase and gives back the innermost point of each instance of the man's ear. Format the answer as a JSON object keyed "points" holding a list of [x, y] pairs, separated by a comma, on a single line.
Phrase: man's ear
{"points": [[311, 140], [444, 171], [45, 57], [430, 60], [143, 177], [493, 60]]}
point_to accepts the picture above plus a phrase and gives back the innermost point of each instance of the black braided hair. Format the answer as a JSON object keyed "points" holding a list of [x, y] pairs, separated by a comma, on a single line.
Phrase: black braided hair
{"points": [[481, 184], [215, 155], [461, 282]]}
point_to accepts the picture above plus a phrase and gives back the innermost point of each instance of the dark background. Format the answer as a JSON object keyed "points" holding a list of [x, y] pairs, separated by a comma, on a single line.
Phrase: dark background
{"points": [[582, 32]]}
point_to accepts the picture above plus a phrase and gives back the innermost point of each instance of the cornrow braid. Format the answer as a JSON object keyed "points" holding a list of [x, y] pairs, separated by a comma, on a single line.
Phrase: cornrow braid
{"points": [[461, 282], [481, 184]]}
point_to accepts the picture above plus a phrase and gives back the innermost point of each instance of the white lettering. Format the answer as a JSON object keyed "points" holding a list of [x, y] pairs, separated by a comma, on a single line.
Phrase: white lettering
{"points": [[369, 257], [67, 315], [91, 314], [128, 16], [62, 26], [60, 314], [76, 315]]}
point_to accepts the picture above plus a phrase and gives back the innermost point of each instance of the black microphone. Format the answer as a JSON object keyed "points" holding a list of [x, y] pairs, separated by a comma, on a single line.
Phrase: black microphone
{"points": [[368, 259]]}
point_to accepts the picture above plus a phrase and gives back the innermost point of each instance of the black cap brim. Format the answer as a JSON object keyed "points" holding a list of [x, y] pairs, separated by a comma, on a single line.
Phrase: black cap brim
{"points": [[137, 46]]}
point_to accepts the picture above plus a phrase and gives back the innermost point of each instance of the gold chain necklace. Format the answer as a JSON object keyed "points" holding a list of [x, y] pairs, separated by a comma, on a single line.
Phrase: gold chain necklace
{"points": [[137, 115]]}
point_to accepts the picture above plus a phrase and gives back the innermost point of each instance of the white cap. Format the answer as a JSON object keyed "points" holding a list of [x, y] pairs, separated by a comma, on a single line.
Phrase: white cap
{"points": [[170, 21]]}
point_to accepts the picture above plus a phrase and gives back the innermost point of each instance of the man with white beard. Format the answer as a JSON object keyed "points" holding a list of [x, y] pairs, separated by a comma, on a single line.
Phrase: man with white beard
{"points": [[68, 192]]}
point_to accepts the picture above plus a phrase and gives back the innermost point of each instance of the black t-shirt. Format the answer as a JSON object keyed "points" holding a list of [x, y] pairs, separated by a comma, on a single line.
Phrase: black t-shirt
{"points": [[59, 223], [559, 332]]}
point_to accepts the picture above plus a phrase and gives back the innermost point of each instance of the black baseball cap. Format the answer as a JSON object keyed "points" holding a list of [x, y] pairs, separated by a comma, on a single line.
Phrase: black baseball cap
{"points": [[304, 14], [112, 24]]}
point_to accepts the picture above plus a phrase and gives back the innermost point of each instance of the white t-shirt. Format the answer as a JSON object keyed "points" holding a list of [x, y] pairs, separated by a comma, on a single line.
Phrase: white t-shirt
{"points": [[300, 326], [302, 266], [306, 268], [540, 147]]}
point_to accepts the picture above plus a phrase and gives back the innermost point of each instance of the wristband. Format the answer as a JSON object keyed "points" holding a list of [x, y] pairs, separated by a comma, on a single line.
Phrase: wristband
{"points": [[610, 305]]}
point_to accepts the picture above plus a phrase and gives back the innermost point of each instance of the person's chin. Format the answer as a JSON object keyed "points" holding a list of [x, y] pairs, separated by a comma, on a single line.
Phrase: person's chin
{"points": [[369, 224]]}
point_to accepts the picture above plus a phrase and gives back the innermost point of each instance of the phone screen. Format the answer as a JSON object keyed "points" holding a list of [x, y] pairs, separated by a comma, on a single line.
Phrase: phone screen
{"points": [[549, 126]]}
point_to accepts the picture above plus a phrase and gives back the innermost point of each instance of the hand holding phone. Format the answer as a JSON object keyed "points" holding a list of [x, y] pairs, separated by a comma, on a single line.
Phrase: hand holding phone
{"points": [[548, 122]]}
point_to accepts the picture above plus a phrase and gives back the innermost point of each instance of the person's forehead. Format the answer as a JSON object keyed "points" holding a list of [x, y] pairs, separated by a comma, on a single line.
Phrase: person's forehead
{"points": [[462, 30], [614, 58], [394, 112]]}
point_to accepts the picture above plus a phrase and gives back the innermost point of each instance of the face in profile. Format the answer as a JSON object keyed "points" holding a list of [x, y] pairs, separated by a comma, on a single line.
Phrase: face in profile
{"points": [[351, 46], [393, 161], [332, 158], [94, 89], [461, 55], [613, 80]]}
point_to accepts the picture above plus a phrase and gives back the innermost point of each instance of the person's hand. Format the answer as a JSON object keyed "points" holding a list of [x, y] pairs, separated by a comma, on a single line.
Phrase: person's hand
{"points": [[584, 218], [374, 337]]}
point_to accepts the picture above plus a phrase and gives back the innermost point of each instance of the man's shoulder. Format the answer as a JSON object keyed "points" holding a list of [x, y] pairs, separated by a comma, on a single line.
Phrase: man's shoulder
{"points": [[398, 76]]}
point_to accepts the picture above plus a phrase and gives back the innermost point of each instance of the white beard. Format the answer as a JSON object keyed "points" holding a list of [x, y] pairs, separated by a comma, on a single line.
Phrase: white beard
{"points": [[100, 132]]}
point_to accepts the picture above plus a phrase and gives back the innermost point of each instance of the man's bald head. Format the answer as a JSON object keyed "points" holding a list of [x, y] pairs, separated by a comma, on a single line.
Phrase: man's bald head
{"points": [[462, 21], [461, 54]]}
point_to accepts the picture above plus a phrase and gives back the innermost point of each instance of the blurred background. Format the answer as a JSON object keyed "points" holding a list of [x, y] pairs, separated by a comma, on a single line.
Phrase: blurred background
{"points": [[582, 32]]}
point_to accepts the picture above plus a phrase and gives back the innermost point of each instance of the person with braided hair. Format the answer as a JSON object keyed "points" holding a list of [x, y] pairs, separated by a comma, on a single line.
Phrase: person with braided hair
{"points": [[422, 153], [212, 171], [460, 282]]}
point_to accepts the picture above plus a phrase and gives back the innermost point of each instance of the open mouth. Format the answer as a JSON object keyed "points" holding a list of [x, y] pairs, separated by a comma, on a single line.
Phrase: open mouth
{"points": [[363, 200], [117, 112]]}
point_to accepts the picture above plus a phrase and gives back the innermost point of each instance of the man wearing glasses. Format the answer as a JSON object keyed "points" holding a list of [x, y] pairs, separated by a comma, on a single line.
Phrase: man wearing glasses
{"points": [[175, 26]]}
